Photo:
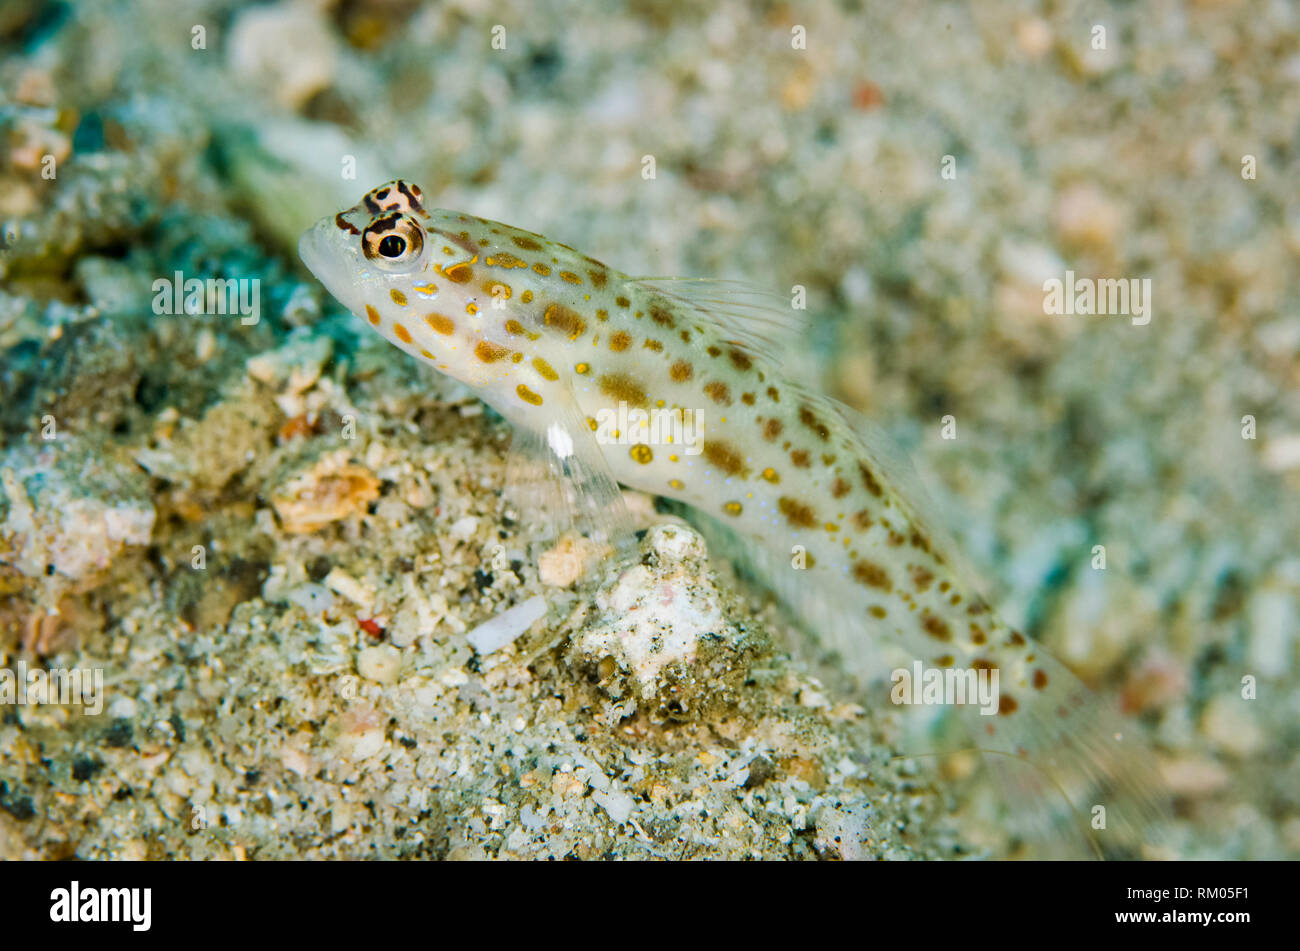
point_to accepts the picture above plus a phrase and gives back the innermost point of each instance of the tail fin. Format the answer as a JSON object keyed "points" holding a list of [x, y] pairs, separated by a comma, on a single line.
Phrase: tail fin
{"points": [[1068, 766]]}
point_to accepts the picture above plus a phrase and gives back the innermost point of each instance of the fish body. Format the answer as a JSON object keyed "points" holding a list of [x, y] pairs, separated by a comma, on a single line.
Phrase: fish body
{"points": [[555, 340]]}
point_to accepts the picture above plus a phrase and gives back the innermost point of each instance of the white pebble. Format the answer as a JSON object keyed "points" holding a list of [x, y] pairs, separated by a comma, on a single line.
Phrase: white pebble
{"points": [[382, 663], [314, 599], [497, 632], [464, 528], [343, 584], [618, 805]]}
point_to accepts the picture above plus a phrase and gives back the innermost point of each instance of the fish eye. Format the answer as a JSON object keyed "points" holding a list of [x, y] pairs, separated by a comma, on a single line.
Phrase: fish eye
{"points": [[393, 241]]}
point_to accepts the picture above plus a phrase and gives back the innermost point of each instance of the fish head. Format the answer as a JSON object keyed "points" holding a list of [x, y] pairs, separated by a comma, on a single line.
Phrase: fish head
{"points": [[400, 268], [363, 252]]}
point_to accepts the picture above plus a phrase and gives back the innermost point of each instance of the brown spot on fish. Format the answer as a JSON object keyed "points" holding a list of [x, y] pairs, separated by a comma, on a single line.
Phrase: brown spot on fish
{"points": [[622, 302], [936, 627], [747, 399], [871, 575], [398, 297], [641, 453], [460, 273], [773, 394], [922, 578], [813, 423], [1007, 705], [542, 269], [566, 320], [545, 369], [796, 512], [1016, 639], [582, 368], [662, 316], [714, 351], [771, 475], [877, 611], [401, 333], [490, 352], [517, 329], [681, 371], [981, 663], [724, 456], [869, 480], [733, 508], [719, 392], [1040, 679], [862, 519], [527, 395], [839, 488], [686, 336], [895, 538], [620, 341], [504, 259], [570, 278], [528, 244], [800, 458], [620, 386], [598, 278], [740, 359], [977, 635], [977, 607], [652, 344], [372, 315], [772, 429], [441, 324]]}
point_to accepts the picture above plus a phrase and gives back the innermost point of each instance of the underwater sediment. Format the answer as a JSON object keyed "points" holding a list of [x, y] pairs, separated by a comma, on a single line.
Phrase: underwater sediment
{"points": [[292, 555]]}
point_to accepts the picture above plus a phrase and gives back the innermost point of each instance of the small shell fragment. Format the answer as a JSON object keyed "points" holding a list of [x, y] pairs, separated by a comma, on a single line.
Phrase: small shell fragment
{"points": [[497, 632]]}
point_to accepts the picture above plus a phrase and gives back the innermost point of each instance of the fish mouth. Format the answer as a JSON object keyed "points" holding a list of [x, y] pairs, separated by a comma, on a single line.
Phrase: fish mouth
{"points": [[324, 253], [309, 250]]}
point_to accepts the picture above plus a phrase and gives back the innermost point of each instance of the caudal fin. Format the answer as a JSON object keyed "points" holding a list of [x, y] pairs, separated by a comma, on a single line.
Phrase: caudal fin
{"points": [[1070, 769]]}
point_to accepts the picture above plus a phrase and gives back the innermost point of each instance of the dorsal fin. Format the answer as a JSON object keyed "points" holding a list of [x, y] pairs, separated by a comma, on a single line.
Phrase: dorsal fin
{"points": [[760, 320]]}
